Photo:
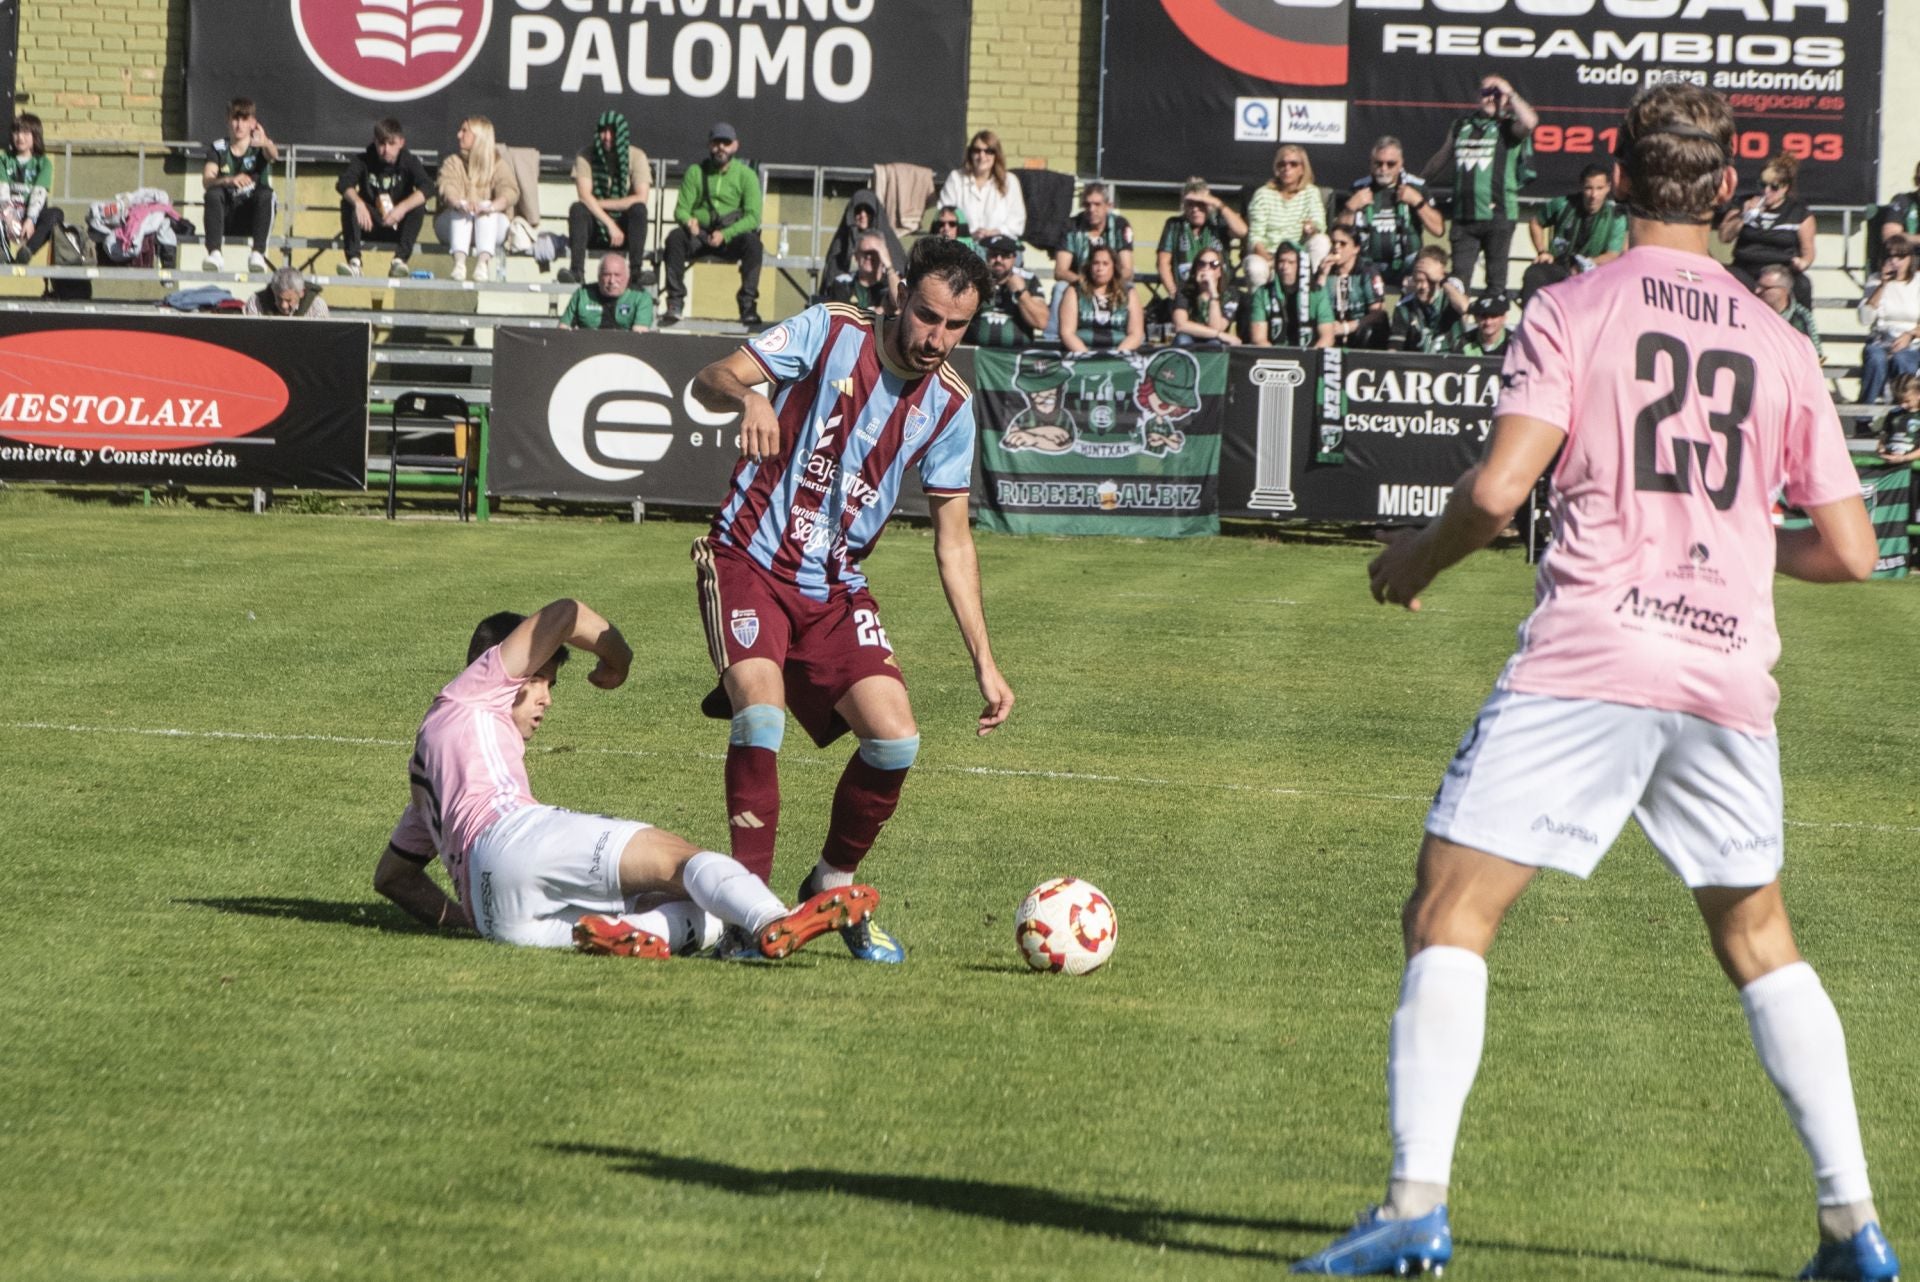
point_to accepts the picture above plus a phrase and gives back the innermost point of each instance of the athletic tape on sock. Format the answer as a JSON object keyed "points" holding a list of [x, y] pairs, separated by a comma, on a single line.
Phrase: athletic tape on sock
{"points": [[759, 725], [889, 754]]}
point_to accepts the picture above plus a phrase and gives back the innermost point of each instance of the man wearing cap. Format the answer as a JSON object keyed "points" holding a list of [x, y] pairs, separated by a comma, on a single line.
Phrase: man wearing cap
{"points": [[609, 304], [1015, 310], [614, 181], [1485, 333], [719, 217], [1045, 424]]}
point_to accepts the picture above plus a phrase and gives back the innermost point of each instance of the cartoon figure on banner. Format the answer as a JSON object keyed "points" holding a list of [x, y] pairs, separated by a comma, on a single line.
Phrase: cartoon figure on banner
{"points": [[1045, 424], [1169, 391]]}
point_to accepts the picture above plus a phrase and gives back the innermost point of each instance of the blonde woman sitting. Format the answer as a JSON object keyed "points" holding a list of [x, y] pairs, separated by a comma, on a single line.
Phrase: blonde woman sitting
{"points": [[477, 196]]}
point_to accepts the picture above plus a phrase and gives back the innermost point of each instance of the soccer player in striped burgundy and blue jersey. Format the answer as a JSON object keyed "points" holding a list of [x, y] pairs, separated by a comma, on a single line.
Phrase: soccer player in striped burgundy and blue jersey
{"points": [[856, 400]]}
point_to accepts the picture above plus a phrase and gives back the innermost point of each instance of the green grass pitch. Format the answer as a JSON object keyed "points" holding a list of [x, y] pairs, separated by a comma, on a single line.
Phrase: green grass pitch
{"points": [[222, 1056]]}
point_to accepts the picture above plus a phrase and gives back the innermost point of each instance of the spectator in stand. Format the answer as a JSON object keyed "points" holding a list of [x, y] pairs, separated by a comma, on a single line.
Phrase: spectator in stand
{"points": [[383, 197], [1900, 429], [1390, 210], [28, 219], [1097, 223], [871, 284], [614, 182], [1901, 215], [718, 213], [1205, 308], [1203, 223], [1432, 308], [1486, 333], [1356, 296], [950, 223], [1774, 226], [1891, 313], [1775, 286], [863, 214], [1103, 312], [1287, 311], [992, 201], [1015, 310], [477, 193], [238, 178], [287, 294], [1288, 208], [1490, 155], [1576, 233], [610, 303]]}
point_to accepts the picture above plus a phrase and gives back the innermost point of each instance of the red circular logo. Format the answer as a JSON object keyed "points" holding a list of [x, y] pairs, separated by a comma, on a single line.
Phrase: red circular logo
{"points": [[1293, 42], [392, 50]]}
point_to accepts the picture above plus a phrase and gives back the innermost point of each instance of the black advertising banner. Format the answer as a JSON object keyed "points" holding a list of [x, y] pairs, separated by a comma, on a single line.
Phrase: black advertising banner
{"points": [[610, 417], [244, 401], [1213, 86], [810, 82], [1405, 426]]}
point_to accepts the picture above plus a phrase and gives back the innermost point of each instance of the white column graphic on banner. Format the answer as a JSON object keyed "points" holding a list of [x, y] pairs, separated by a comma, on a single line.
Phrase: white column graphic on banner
{"points": [[1273, 444]]}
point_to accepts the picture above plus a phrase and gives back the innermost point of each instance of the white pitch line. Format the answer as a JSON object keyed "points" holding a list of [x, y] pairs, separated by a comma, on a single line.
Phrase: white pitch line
{"points": [[998, 772]]}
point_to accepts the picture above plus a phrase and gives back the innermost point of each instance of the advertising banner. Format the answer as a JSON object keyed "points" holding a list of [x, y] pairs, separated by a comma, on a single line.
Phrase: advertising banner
{"points": [[144, 400], [1213, 86], [806, 82], [1402, 425], [603, 416], [1101, 442]]}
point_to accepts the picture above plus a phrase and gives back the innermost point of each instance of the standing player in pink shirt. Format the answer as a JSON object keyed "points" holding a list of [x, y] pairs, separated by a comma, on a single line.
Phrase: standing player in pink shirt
{"points": [[1640, 686], [545, 877]]}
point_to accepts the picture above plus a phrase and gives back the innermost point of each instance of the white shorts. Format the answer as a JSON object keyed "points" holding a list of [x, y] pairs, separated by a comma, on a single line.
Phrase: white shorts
{"points": [[540, 869], [1550, 783]]}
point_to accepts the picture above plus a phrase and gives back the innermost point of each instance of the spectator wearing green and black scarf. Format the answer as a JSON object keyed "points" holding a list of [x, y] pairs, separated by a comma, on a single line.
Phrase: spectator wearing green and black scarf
{"points": [[613, 178]]}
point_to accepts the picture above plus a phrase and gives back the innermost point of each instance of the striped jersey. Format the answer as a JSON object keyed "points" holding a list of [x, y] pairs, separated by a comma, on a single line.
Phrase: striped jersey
{"points": [[850, 427], [469, 768]]}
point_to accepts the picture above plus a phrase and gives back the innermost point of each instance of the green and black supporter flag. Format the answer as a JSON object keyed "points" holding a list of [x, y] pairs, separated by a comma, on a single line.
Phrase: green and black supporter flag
{"points": [[1888, 490], [1101, 442]]}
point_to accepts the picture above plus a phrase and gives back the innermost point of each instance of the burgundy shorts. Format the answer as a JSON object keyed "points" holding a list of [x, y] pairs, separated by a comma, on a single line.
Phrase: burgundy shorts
{"points": [[823, 647]]}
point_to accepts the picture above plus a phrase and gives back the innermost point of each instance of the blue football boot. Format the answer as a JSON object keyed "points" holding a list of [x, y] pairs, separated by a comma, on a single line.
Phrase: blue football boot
{"points": [[1865, 1257], [1376, 1247], [866, 941]]}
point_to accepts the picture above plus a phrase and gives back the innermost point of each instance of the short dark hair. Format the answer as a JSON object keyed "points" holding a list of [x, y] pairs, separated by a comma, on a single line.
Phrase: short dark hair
{"points": [[239, 108], [388, 130], [1598, 169], [494, 629], [31, 123], [1674, 146], [951, 263]]}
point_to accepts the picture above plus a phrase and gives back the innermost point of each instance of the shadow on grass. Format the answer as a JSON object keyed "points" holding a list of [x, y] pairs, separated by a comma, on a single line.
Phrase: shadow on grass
{"points": [[1017, 1204], [325, 912], [1137, 1222]]}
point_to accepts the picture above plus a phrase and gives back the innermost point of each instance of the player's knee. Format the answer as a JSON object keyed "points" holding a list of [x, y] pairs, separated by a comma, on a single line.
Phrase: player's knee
{"points": [[758, 725], [890, 754]]}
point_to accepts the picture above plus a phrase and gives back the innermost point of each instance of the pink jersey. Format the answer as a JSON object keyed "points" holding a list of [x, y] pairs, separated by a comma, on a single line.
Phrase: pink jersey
{"points": [[1688, 404], [469, 767]]}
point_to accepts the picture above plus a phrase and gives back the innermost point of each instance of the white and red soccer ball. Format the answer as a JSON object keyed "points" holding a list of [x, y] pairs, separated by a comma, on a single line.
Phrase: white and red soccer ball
{"points": [[1065, 926]]}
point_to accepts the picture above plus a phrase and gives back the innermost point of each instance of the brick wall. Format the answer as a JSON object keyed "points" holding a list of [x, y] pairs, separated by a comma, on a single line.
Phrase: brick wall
{"points": [[1035, 80], [103, 68]]}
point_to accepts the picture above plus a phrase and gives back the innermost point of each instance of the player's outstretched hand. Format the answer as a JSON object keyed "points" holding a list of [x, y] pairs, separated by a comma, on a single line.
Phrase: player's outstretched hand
{"points": [[1399, 574], [759, 429], [608, 676], [999, 696]]}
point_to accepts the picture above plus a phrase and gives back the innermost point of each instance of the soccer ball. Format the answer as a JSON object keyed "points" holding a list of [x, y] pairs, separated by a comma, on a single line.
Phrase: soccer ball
{"points": [[1065, 925]]}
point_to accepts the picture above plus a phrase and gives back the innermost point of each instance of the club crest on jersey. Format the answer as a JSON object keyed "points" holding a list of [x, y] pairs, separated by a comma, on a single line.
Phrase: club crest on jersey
{"points": [[774, 340], [918, 421], [746, 627]]}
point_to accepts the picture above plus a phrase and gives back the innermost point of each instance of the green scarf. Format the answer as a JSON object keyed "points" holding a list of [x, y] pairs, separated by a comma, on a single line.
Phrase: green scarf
{"points": [[611, 177]]}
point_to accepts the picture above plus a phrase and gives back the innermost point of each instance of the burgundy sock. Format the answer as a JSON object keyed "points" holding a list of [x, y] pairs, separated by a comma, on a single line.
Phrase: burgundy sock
{"points": [[753, 806], [862, 804]]}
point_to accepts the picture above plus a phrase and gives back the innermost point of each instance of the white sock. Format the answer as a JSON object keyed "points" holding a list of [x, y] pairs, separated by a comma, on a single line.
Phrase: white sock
{"points": [[685, 926], [1797, 1033], [1433, 1054], [827, 877], [719, 884]]}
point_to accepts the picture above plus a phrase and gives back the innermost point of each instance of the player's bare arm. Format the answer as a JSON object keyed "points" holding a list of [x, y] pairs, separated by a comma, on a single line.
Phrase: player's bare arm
{"points": [[1483, 501], [959, 565], [1839, 548], [728, 386], [405, 881], [530, 646]]}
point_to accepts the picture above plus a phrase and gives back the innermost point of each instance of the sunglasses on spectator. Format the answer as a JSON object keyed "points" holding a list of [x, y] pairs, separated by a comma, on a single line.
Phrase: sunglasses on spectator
{"points": [[1386, 164], [1775, 186], [1209, 264], [979, 151], [1489, 92], [870, 255], [999, 253], [944, 223], [1899, 253], [1286, 164]]}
